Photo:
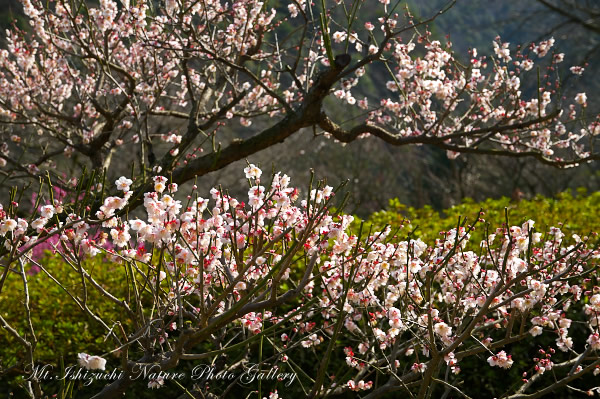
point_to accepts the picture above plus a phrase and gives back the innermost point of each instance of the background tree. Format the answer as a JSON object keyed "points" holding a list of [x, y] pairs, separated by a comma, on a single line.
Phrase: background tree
{"points": [[166, 97]]}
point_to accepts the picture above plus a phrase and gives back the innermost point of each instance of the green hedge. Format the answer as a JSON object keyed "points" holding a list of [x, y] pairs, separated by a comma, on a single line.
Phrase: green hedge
{"points": [[572, 213], [61, 328]]}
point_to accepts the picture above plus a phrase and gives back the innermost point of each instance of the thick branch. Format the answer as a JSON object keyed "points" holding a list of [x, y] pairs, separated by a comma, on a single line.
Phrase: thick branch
{"points": [[307, 114]]}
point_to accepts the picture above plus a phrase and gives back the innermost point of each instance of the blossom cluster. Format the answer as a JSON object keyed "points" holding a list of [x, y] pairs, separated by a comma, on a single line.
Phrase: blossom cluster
{"points": [[221, 257], [432, 95]]}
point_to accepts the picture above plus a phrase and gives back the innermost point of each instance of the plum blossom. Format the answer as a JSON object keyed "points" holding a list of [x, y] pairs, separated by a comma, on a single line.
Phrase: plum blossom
{"points": [[442, 329], [577, 70], [47, 211], [7, 225], [502, 51], [501, 359], [252, 172], [159, 183], [156, 383], [536, 330], [360, 385], [594, 341], [90, 362], [339, 36], [273, 395], [123, 184], [581, 99], [542, 49], [419, 367], [312, 340]]}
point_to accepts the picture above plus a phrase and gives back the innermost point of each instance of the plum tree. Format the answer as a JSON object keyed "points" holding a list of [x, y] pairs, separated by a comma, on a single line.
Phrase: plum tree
{"points": [[162, 85]]}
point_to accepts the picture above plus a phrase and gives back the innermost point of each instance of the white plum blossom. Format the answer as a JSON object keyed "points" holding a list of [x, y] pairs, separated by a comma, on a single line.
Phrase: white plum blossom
{"points": [[442, 329], [536, 330], [581, 99], [339, 36], [123, 183], [252, 172], [7, 225], [47, 211], [90, 362], [159, 183], [577, 70], [501, 359]]}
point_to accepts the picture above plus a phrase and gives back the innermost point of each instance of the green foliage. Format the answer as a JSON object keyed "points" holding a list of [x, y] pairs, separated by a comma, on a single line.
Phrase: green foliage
{"points": [[61, 328], [574, 214]]}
